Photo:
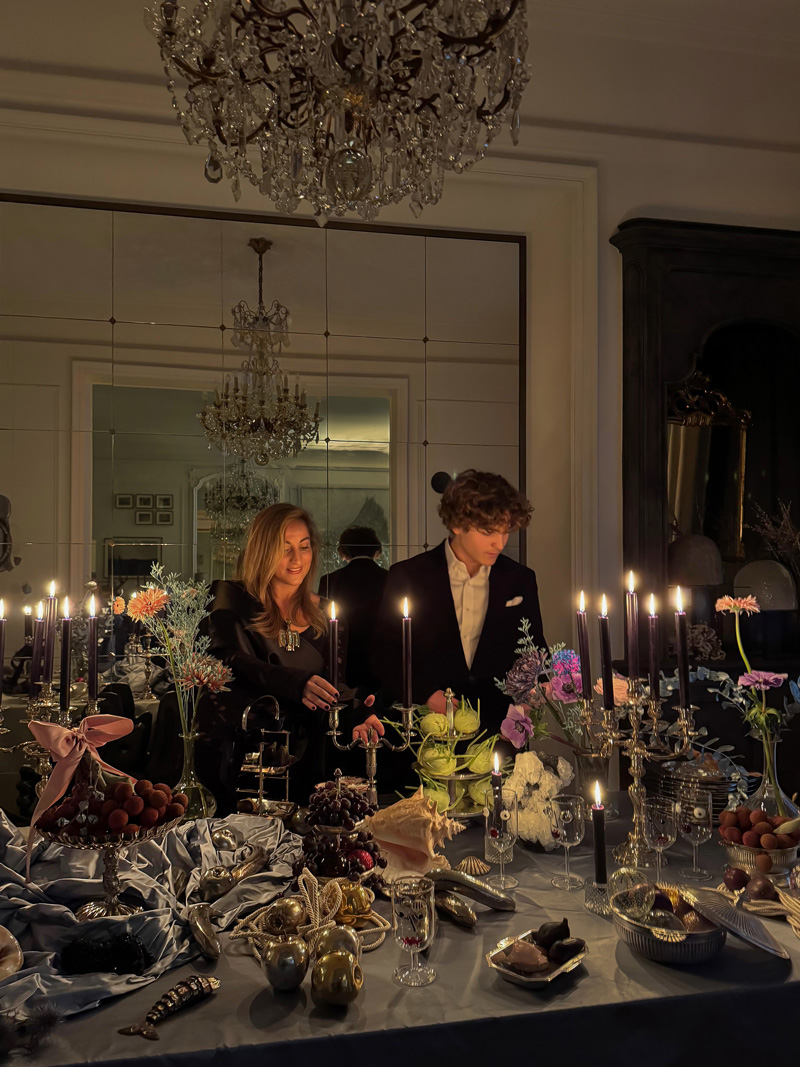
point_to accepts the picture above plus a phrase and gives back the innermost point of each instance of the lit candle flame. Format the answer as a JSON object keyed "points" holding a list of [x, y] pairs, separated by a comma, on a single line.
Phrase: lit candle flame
{"points": [[66, 607], [497, 763], [631, 586], [333, 611], [405, 607], [92, 611], [679, 599], [27, 610], [604, 606], [2, 609], [652, 605], [597, 799], [40, 611], [583, 603], [53, 588]]}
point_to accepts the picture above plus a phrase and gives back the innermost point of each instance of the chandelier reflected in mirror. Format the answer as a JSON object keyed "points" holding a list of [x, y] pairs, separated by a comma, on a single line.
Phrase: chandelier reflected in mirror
{"points": [[349, 105], [231, 502], [256, 416]]}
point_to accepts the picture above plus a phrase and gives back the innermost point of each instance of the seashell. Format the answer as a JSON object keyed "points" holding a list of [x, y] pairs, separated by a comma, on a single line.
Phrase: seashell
{"points": [[410, 832], [473, 865]]}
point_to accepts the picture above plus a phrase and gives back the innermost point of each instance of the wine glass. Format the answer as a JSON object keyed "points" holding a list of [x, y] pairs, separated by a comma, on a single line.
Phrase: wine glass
{"points": [[567, 826], [500, 834], [693, 812], [660, 829], [413, 926]]}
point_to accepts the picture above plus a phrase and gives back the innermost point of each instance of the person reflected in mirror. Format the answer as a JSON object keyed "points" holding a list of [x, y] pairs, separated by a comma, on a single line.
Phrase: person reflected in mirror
{"points": [[467, 599], [357, 589], [271, 629]]}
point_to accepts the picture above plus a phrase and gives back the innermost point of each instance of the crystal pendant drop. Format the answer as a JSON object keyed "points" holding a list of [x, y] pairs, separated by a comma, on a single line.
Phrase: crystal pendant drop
{"points": [[349, 176], [213, 169]]}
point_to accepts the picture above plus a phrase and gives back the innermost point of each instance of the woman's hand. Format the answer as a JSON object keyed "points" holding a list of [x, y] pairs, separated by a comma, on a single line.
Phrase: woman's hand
{"points": [[362, 732], [318, 693]]}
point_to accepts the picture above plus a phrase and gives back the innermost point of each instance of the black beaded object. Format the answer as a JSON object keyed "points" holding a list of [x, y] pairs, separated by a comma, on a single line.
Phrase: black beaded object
{"points": [[120, 954]]}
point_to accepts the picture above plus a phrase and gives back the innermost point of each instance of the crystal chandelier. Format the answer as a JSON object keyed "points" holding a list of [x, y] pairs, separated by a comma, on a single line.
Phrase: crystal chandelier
{"points": [[347, 104], [256, 417]]}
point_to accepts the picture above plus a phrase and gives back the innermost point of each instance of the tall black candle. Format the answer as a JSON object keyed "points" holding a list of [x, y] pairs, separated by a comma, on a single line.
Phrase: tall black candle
{"points": [[682, 641], [36, 652], [50, 616], [92, 652], [605, 657], [407, 667], [583, 651], [333, 648], [599, 838], [66, 659], [632, 628], [655, 652]]}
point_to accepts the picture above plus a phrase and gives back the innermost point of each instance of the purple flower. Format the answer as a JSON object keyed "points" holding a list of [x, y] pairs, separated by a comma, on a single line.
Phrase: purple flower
{"points": [[565, 662], [522, 679], [763, 680], [517, 726], [567, 688]]}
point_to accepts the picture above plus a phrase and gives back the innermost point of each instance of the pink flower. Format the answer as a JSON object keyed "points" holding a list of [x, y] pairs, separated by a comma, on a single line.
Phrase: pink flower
{"points": [[736, 604], [517, 726], [567, 688], [763, 680], [147, 603], [204, 672]]}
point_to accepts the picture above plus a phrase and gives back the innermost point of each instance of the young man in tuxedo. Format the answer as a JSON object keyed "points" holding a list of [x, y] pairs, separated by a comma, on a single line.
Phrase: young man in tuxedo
{"points": [[466, 599]]}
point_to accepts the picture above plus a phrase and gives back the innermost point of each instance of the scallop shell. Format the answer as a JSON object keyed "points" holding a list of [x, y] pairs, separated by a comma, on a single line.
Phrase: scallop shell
{"points": [[473, 865]]}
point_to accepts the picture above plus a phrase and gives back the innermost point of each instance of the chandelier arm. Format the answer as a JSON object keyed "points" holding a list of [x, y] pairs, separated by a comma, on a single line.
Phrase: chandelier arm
{"points": [[494, 27], [190, 72], [302, 9]]}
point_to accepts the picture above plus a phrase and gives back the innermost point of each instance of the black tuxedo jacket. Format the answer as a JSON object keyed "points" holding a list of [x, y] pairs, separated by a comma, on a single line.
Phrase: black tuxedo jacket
{"points": [[437, 656]]}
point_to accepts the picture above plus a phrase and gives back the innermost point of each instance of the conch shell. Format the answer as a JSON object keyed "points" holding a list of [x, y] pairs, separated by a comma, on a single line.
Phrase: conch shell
{"points": [[409, 833]]}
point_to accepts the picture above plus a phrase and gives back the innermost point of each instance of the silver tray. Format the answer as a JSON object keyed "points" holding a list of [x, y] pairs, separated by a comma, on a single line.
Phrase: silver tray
{"points": [[714, 906], [539, 980]]}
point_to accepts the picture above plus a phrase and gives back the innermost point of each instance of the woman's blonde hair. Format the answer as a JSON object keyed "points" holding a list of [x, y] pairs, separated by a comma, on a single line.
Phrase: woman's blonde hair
{"points": [[266, 544]]}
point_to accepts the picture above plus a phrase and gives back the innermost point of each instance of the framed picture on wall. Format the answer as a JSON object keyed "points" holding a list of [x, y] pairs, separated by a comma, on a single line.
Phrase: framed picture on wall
{"points": [[123, 500], [163, 500], [164, 518], [143, 518], [144, 500], [130, 557]]}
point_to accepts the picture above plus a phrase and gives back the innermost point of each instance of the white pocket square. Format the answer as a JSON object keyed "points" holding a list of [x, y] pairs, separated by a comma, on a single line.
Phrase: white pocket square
{"points": [[513, 602]]}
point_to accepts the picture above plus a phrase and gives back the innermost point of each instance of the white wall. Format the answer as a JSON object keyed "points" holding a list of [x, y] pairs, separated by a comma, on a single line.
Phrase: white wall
{"points": [[680, 109]]}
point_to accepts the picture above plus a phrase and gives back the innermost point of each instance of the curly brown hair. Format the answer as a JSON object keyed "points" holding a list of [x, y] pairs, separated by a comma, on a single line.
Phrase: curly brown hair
{"points": [[476, 500]]}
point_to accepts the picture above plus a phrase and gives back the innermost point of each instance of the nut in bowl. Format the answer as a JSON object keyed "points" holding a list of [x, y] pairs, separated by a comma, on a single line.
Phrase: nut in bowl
{"points": [[537, 957]]}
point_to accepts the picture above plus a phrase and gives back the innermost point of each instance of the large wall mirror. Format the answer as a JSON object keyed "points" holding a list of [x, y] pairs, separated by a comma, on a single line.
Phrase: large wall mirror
{"points": [[116, 332]]}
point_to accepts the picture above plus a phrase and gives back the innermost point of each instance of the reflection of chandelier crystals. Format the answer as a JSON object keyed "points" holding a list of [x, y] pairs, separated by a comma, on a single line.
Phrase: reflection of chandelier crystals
{"points": [[231, 502], [349, 105], [260, 419]]}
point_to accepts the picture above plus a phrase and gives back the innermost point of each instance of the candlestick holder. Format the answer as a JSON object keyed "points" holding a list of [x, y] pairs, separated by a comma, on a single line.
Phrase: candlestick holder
{"points": [[595, 898], [605, 733], [374, 742]]}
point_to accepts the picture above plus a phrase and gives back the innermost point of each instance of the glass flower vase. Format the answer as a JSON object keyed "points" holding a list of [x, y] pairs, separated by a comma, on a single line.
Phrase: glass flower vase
{"points": [[202, 803], [769, 794]]}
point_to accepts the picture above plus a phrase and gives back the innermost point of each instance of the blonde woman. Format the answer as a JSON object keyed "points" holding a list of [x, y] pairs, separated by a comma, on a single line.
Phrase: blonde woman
{"points": [[272, 631]]}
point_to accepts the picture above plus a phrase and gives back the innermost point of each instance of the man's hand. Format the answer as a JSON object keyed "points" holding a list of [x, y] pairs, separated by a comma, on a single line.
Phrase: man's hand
{"points": [[436, 702], [318, 693], [362, 732]]}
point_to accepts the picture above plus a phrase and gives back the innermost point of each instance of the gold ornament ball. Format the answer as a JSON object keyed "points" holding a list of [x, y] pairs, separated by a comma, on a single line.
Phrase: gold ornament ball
{"points": [[285, 962], [336, 979]]}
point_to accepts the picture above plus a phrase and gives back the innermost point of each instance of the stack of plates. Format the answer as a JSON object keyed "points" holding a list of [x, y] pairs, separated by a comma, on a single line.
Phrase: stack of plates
{"points": [[675, 778]]}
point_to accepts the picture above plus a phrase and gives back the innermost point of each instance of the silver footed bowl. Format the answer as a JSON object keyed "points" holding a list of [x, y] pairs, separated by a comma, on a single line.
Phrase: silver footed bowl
{"points": [[745, 858]]}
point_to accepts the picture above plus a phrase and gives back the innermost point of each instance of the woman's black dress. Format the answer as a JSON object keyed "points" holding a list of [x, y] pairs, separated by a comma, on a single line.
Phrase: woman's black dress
{"points": [[260, 667]]}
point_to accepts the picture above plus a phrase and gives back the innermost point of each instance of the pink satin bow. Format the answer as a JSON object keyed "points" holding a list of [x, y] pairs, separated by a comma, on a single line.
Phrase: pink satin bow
{"points": [[67, 747]]}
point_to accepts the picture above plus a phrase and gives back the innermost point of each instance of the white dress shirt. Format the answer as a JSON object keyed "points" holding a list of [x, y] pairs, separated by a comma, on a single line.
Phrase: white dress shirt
{"points": [[470, 598]]}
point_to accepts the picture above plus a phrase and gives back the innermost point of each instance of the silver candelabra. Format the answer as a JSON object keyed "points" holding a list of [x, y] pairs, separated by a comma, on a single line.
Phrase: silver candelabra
{"points": [[373, 743]]}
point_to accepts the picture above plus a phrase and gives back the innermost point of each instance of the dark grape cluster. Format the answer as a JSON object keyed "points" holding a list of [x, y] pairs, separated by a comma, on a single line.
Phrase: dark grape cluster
{"points": [[337, 807], [339, 856]]}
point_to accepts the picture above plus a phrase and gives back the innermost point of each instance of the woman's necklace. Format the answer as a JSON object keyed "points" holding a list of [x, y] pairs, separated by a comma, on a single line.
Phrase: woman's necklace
{"points": [[288, 638]]}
